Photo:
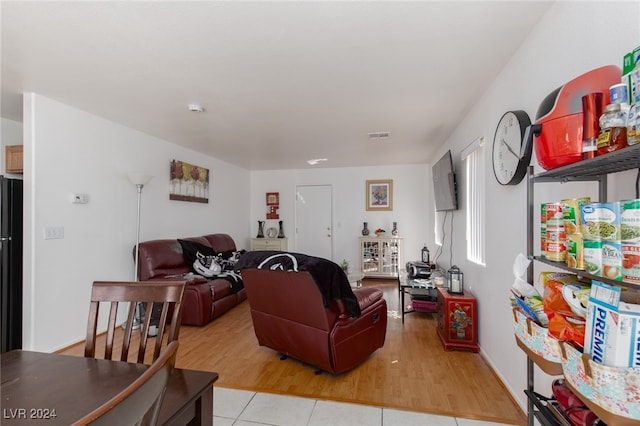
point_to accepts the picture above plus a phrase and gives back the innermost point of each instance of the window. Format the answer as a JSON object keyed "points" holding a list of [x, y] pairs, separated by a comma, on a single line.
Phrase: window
{"points": [[473, 156]]}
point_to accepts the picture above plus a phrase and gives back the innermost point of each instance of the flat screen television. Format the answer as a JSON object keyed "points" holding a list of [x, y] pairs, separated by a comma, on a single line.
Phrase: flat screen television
{"points": [[444, 184]]}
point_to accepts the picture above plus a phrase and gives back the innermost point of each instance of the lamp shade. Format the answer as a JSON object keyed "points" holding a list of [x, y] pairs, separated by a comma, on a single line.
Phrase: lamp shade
{"points": [[139, 178]]}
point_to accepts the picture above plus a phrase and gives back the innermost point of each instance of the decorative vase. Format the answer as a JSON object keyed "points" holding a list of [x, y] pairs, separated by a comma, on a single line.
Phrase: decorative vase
{"points": [[394, 231], [365, 230], [280, 230], [260, 229]]}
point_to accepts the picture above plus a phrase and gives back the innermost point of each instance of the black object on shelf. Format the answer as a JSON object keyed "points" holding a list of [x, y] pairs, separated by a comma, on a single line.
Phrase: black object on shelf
{"points": [[625, 159]]}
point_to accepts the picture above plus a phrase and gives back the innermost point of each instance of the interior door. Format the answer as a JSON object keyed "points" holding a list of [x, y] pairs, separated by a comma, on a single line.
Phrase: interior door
{"points": [[313, 221]]}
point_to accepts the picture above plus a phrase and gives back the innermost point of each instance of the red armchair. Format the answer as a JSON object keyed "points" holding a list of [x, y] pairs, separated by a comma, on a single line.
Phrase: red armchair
{"points": [[290, 316]]}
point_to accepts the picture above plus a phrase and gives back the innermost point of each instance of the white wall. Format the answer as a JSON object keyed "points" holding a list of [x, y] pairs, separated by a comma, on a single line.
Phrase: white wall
{"points": [[10, 134], [70, 151], [411, 206], [569, 41]]}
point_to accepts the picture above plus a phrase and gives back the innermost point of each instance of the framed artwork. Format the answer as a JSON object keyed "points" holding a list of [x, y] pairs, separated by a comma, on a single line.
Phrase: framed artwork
{"points": [[188, 182], [273, 198], [380, 194], [273, 205]]}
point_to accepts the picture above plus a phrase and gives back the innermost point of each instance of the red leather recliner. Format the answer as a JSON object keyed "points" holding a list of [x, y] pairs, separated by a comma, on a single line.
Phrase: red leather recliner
{"points": [[289, 316]]}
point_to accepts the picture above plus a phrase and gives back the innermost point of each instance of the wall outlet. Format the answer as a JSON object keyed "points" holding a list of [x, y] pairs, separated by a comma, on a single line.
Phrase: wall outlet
{"points": [[53, 232]]}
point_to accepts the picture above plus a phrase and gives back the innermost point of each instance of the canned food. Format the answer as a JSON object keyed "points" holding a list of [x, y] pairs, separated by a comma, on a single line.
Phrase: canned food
{"points": [[556, 243], [543, 229], [601, 221], [592, 253], [612, 260], [631, 262], [554, 214], [575, 251], [630, 220], [571, 210], [618, 94]]}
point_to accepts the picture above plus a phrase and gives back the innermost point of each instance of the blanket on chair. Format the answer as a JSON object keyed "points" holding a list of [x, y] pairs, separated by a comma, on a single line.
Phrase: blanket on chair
{"points": [[328, 276]]}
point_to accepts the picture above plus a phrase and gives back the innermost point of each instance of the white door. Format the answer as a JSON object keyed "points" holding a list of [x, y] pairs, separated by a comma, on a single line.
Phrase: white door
{"points": [[313, 220]]}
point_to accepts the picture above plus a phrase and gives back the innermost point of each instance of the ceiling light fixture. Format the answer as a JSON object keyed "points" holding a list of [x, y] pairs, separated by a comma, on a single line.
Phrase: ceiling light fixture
{"points": [[195, 108], [316, 161]]}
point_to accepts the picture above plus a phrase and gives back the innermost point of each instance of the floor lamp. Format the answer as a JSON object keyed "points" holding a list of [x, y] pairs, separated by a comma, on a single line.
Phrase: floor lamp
{"points": [[139, 180]]}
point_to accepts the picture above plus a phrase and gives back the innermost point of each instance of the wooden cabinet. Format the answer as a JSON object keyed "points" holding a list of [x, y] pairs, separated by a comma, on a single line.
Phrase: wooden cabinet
{"points": [[13, 159], [269, 244], [457, 321], [381, 257]]}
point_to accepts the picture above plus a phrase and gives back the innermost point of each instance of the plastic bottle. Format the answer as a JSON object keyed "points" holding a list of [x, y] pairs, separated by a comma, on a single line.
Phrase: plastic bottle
{"points": [[613, 129]]}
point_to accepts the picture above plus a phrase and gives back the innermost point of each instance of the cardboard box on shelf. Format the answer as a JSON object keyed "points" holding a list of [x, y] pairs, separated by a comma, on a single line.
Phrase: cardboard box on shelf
{"points": [[612, 335], [628, 64]]}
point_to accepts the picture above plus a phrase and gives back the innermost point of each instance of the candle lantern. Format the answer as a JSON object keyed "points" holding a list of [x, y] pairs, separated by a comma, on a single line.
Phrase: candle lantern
{"points": [[455, 280]]}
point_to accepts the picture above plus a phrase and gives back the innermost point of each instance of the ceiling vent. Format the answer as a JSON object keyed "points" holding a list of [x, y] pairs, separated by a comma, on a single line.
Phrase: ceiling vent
{"points": [[379, 135]]}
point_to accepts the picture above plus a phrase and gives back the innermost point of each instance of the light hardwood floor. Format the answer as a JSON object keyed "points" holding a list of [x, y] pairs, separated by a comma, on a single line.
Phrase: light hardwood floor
{"points": [[411, 372]]}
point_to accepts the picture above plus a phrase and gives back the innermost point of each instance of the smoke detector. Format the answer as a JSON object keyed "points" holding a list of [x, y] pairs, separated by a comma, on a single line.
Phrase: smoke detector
{"points": [[195, 108]]}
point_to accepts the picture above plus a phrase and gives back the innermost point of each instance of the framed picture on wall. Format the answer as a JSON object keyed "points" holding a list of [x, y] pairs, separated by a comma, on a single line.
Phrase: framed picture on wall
{"points": [[188, 182], [379, 194], [273, 205]]}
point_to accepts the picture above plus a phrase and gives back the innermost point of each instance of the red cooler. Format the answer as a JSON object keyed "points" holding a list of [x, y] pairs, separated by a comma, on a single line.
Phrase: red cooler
{"points": [[560, 140]]}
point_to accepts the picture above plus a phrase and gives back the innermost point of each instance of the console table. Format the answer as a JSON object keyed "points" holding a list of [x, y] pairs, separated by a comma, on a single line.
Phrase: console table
{"points": [[279, 244], [422, 290]]}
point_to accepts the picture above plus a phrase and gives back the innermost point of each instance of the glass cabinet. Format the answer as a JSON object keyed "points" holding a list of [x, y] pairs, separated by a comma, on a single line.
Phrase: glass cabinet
{"points": [[381, 257]]}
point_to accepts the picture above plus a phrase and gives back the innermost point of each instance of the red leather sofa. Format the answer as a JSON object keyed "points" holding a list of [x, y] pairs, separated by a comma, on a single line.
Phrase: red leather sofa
{"points": [[205, 299], [289, 316]]}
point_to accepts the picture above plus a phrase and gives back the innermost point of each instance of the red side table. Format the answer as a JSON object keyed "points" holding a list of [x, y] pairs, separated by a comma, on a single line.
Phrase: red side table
{"points": [[457, 321]]}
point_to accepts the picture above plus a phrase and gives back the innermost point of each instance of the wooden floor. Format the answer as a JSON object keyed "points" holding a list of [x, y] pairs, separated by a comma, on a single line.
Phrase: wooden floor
{"points": [[412, 371]]}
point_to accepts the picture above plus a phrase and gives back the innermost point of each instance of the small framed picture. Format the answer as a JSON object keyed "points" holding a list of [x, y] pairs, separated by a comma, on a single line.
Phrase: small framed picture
{"points": [[273, 198], [380, 194]]}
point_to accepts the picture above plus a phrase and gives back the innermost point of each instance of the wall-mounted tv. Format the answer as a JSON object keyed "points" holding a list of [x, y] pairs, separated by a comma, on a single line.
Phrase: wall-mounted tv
{"points": [[444, 184]]}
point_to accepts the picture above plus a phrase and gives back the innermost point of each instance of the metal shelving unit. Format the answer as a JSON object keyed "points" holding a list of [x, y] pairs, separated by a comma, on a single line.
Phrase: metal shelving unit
{"points": [[595, 170]]}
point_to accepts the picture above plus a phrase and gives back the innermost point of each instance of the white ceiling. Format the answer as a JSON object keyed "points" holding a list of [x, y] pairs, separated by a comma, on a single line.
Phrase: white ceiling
{"points": [[281, 82]]}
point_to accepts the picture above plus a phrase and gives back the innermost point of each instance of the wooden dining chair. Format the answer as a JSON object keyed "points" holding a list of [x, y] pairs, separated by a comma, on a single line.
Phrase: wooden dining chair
{"points": [[139, 403], [167, 294]]}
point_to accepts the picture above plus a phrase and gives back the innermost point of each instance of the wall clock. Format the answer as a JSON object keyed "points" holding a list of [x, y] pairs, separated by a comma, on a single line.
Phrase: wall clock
{"points": [[511, 152]]}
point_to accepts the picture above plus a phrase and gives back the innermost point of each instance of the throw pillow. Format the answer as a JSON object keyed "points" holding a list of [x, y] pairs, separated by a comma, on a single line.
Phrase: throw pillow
{"points": [[191, 249]]}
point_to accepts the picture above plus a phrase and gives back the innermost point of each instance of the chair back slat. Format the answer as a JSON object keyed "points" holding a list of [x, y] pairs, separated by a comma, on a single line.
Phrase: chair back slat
{"points": [[164, 303], [90, 344]]}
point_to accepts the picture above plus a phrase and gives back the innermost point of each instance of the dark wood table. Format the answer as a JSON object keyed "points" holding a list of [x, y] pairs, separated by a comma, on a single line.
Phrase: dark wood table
{"points": [[57, 389]]}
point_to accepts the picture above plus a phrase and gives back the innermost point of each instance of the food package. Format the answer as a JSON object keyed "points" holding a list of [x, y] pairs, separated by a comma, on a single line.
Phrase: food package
{"points": [[612, 335], [563, 277], [524, 296], [564, 323]]}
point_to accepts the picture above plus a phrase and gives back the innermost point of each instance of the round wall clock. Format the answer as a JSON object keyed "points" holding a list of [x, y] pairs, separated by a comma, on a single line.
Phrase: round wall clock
{"points": [[509, 162]]}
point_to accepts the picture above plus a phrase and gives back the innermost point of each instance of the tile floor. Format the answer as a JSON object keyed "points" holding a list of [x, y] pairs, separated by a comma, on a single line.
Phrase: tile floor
{"points": [[245, 408]]}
